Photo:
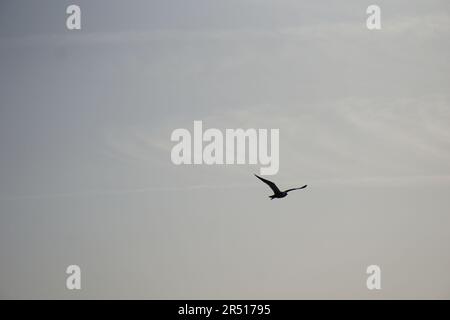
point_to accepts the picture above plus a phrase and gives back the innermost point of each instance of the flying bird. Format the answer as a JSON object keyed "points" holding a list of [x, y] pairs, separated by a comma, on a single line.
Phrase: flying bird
{"points": [[277, 193]]}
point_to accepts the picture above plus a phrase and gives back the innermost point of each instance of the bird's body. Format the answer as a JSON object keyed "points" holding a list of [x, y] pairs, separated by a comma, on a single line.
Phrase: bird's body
{"points": [[277, 193]]}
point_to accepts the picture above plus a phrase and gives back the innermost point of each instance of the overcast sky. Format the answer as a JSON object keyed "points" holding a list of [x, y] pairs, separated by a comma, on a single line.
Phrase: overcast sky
{"points": [[85, 170]]}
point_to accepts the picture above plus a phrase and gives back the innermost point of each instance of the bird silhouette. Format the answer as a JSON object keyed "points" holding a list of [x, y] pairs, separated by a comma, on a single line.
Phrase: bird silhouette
{"points": [[277, 193]]}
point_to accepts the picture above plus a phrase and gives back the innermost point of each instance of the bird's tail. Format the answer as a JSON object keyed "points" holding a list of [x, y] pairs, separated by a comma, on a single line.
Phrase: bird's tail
{"points": [[272, 197]]}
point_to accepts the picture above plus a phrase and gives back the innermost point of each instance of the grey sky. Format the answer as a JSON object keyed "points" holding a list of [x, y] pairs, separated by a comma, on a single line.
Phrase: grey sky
{"points": [[85, 170]]}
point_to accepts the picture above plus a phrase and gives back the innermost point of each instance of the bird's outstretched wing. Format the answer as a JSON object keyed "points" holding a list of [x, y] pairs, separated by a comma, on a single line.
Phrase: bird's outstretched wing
{"points": [[270, 184], [296, 188]]}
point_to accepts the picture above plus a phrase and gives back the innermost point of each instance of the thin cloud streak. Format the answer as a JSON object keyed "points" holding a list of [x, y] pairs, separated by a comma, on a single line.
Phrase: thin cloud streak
{"points": [[432, 179]]}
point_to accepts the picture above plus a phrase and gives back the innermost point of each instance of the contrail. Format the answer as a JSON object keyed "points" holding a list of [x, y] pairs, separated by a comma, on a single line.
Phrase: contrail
{"points": [[118, 192]]}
